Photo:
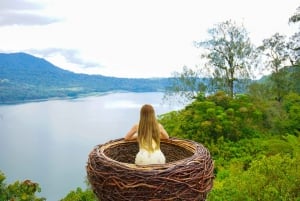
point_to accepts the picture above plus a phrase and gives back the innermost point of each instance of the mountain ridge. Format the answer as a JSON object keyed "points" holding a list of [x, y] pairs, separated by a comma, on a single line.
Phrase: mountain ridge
{"points": [[24, 77]]}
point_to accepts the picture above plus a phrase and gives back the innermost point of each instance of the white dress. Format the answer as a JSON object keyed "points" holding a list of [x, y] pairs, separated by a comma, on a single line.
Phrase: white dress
{"points": [[145, 157]]}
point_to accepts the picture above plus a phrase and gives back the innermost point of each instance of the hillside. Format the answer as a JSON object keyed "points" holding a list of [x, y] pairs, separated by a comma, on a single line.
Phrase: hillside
{"points": [[24, 77]]}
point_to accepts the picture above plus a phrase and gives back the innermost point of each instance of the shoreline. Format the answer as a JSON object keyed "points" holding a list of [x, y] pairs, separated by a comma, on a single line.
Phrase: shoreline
{"points": [[83, 95]]}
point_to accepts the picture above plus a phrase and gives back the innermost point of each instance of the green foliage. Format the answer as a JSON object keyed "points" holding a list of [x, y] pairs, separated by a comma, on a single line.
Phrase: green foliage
{"points": [[269, 178], [26, 191], [292, 107], [282, 118], [19, 191], [80, 195], [255, 143], [296, 17], [276, 52], [208, 119], [295, 77]]}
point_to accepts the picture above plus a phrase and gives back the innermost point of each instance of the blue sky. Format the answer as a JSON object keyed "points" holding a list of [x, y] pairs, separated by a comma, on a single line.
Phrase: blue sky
{"points": [[130, 38]]}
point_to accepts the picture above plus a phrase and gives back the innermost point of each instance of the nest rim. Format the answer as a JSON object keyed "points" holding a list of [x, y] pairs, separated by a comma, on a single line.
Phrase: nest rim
{"points": [[182, 143]]}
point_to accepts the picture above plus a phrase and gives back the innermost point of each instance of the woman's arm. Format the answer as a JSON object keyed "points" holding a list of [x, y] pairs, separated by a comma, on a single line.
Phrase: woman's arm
{"points": [[163, 132], [132, 133]]}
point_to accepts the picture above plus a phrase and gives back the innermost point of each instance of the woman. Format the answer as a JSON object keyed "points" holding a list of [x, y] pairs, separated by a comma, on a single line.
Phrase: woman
{"points": [[148, 134]]}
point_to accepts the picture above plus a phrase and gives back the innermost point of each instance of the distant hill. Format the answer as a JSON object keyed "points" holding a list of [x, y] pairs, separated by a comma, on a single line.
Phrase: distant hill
{"points": [[24, 77]]}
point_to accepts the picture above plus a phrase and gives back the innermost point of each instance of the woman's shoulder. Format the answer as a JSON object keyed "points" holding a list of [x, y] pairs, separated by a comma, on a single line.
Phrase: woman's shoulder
{"points": [[161, 127]]}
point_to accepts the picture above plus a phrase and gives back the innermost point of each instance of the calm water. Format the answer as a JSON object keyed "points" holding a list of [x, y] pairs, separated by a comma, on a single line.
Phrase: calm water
{"points": [[49, 142]]}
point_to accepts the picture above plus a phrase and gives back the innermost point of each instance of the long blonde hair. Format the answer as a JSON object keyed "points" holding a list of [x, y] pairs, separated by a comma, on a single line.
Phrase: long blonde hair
{"points": [[148, 130]]}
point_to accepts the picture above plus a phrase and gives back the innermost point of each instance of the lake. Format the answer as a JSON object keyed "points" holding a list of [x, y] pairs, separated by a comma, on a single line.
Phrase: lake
{"points": [[48, 142]]}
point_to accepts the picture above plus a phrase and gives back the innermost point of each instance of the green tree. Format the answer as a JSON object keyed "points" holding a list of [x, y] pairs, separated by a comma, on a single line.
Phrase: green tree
{"points": [[269, 178], [296, 17], [294, 49], [80, 195], [207, 119], [276, 53], [185, 85], [229, 54], [19, 191], [294, 52], [292, 108], [260, 91]]}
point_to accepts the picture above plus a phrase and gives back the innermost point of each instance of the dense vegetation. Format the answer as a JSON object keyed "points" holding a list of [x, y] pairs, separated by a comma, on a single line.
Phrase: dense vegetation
{"points": [[255, 144], [19, 190], [24, 77], [253, 137]]}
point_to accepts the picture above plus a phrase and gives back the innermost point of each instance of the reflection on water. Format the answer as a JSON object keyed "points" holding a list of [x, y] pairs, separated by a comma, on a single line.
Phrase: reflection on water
{"points": [[49, 142]]}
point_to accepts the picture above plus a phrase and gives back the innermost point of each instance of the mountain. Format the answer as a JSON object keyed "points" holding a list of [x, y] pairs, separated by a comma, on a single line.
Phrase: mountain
{"points": [[24, 77]]}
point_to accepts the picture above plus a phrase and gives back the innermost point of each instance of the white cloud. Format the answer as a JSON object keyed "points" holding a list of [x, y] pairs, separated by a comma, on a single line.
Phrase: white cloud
{"points": [[20, 12], [134, 38]]}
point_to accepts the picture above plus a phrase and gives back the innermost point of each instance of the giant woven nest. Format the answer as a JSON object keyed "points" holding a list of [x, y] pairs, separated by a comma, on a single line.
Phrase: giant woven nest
{"points": [[187, 174]]}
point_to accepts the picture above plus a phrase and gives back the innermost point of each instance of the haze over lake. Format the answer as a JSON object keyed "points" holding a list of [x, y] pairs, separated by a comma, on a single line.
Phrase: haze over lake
{"points": [[48, 142]]}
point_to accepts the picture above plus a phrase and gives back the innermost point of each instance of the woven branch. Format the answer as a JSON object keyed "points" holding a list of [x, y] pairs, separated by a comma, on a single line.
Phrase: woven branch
{"points": [[187, 175]]}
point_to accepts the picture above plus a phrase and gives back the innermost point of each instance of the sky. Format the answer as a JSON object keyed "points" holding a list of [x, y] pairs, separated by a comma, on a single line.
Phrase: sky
{"points": [[131, 38]]}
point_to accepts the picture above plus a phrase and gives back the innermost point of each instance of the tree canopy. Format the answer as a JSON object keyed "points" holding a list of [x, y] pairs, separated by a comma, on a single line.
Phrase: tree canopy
{"points": [[229, 55], [296, 17], [276, 52]]}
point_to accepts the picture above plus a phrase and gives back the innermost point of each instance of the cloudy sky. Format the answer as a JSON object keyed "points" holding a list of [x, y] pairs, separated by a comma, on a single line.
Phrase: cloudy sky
{"points": [[130, 38]]}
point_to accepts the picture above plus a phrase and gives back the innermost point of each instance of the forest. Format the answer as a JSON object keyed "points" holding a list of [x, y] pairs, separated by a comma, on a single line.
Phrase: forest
{"points": [[253, 137]]}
